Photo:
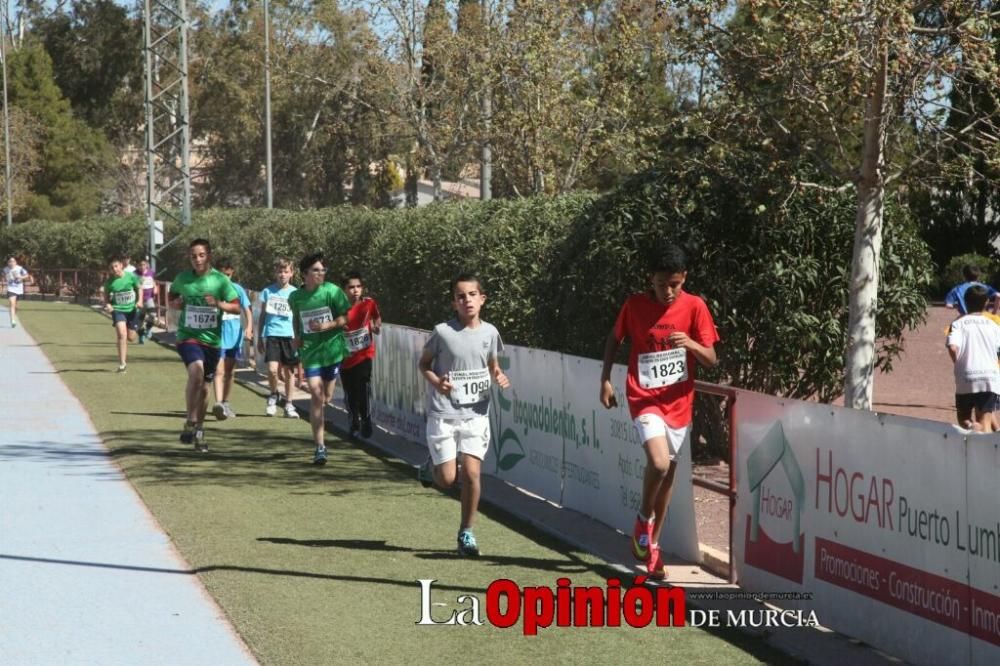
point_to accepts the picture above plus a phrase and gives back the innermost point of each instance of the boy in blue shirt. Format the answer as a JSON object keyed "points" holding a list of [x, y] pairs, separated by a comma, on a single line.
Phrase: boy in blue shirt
{"points": [[956, 297], [235, 328], [276, 336]]}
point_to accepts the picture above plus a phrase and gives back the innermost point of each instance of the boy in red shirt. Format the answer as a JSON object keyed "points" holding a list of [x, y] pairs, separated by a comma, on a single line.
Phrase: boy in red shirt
{"points": [[363, 322], [669, 330]]}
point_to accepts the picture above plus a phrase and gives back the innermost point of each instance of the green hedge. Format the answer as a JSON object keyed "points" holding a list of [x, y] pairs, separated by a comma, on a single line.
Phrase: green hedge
{"points": [[773, 269]]}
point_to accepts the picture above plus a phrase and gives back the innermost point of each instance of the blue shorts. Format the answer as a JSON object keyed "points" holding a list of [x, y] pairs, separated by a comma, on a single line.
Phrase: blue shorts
{"points": [[328, 373], [130, 318], [209, 356], [233, 353]]}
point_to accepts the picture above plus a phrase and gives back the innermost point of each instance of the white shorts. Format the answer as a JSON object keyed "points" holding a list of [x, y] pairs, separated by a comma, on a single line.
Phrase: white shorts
{"points": [[649, 426], [446, 438]]}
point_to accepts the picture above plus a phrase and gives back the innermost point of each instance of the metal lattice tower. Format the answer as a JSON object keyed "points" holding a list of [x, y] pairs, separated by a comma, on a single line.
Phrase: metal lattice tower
{"points": [[168, 122]]}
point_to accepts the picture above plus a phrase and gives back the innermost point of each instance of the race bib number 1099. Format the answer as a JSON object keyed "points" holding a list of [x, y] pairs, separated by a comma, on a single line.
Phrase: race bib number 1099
{"points": [[469, 386]]}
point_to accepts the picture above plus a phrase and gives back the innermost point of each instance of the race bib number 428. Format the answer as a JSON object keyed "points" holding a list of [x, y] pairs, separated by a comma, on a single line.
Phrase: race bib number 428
{"points": [[658, 369], [469, 386]]}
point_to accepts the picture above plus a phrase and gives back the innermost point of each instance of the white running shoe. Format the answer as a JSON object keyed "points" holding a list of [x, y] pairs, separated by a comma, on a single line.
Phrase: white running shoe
{"points": [[272, 404], [290, 411]]}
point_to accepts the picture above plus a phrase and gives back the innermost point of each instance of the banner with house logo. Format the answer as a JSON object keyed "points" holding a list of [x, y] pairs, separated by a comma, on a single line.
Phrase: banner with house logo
{"points": [[890, 523]]}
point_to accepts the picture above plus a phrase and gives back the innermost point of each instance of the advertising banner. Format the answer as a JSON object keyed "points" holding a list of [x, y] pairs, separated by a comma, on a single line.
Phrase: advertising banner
{"points": [[530, 424], [398, 388], [605, 468], [874, 515]]}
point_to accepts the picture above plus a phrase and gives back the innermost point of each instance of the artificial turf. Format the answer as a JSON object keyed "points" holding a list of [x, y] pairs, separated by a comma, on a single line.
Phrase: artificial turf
{"points": [[320, 565]]}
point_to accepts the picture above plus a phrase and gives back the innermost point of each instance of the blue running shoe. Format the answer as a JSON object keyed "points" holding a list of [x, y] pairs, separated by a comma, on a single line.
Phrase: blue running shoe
{"points": [[467, 546], [319, 457]]}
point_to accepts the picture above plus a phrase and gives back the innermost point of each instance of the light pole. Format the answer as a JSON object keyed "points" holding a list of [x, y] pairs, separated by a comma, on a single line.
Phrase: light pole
{"points": [[267, 102], [6, 113]]}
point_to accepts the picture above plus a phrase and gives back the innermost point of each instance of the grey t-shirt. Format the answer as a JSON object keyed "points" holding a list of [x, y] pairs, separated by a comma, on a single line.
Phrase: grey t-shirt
{"points": [[462, 353]]}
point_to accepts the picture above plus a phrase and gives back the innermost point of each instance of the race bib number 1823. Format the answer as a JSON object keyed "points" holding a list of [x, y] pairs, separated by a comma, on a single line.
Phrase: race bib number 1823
{"points": [[658, 369]]}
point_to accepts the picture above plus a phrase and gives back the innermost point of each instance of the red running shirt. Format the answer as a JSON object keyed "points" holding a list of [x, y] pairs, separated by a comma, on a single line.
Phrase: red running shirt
{"points": [[648, 324], [359, 322]]}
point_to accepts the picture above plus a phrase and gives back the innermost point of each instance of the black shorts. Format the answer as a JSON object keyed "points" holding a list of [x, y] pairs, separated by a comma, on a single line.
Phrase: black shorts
{"points": [[982, 402], [280, 350], [130, 318], [191, 352]]}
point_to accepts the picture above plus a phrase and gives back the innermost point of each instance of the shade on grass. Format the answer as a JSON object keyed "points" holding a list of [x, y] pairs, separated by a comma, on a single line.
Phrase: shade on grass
{"points": [[320, 565]]}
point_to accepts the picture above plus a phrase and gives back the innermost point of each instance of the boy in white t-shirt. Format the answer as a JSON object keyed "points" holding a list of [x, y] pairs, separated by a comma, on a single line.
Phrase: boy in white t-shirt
{"points": [[15, 277], [973, 343]]}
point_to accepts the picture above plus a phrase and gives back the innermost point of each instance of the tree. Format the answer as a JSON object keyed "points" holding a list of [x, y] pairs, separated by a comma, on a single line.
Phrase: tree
{"points": [[75, 161], [858, 90], [96, 52]]}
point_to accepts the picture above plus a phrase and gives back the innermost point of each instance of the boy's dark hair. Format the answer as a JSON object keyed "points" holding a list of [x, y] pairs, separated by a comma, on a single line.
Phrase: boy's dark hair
{"points": [[224, 262], [120, 260], [975, 299], [353, 275], [970, 272], [203, 242], [309, 260], [467, 277], [671, 261]]}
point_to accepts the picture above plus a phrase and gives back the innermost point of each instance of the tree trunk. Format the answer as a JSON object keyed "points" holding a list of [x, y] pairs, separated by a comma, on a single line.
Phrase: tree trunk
{"points": [[860, 357], [436, 179]]}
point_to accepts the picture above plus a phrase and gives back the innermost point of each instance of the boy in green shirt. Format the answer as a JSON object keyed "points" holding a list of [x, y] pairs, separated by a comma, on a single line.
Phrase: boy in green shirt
{"points": [[319, 316], [200, 294], [121, 294]]}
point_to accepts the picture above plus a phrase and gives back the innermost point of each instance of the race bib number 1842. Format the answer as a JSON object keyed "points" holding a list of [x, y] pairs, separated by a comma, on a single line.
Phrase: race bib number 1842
{"points": [[658, 369]]}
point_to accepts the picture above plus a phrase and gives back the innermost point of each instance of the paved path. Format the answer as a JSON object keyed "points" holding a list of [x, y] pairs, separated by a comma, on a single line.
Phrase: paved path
{"points": [[86, 574]]}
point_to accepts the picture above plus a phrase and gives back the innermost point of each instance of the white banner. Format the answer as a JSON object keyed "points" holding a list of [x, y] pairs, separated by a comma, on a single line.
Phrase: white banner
{"points": [[398, 388], [879, 518], [604, 470], [529, 423]]}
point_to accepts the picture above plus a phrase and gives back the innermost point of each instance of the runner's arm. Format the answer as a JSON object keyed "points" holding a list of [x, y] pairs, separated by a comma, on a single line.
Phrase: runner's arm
{"points": [[607, 394], [248, 318], [706, 356], [232, 307], [498, 374], [442, 384]]}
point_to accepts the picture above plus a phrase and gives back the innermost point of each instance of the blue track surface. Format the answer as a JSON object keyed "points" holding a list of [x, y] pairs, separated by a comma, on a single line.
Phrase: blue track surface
{"points": [[86, 574]]}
